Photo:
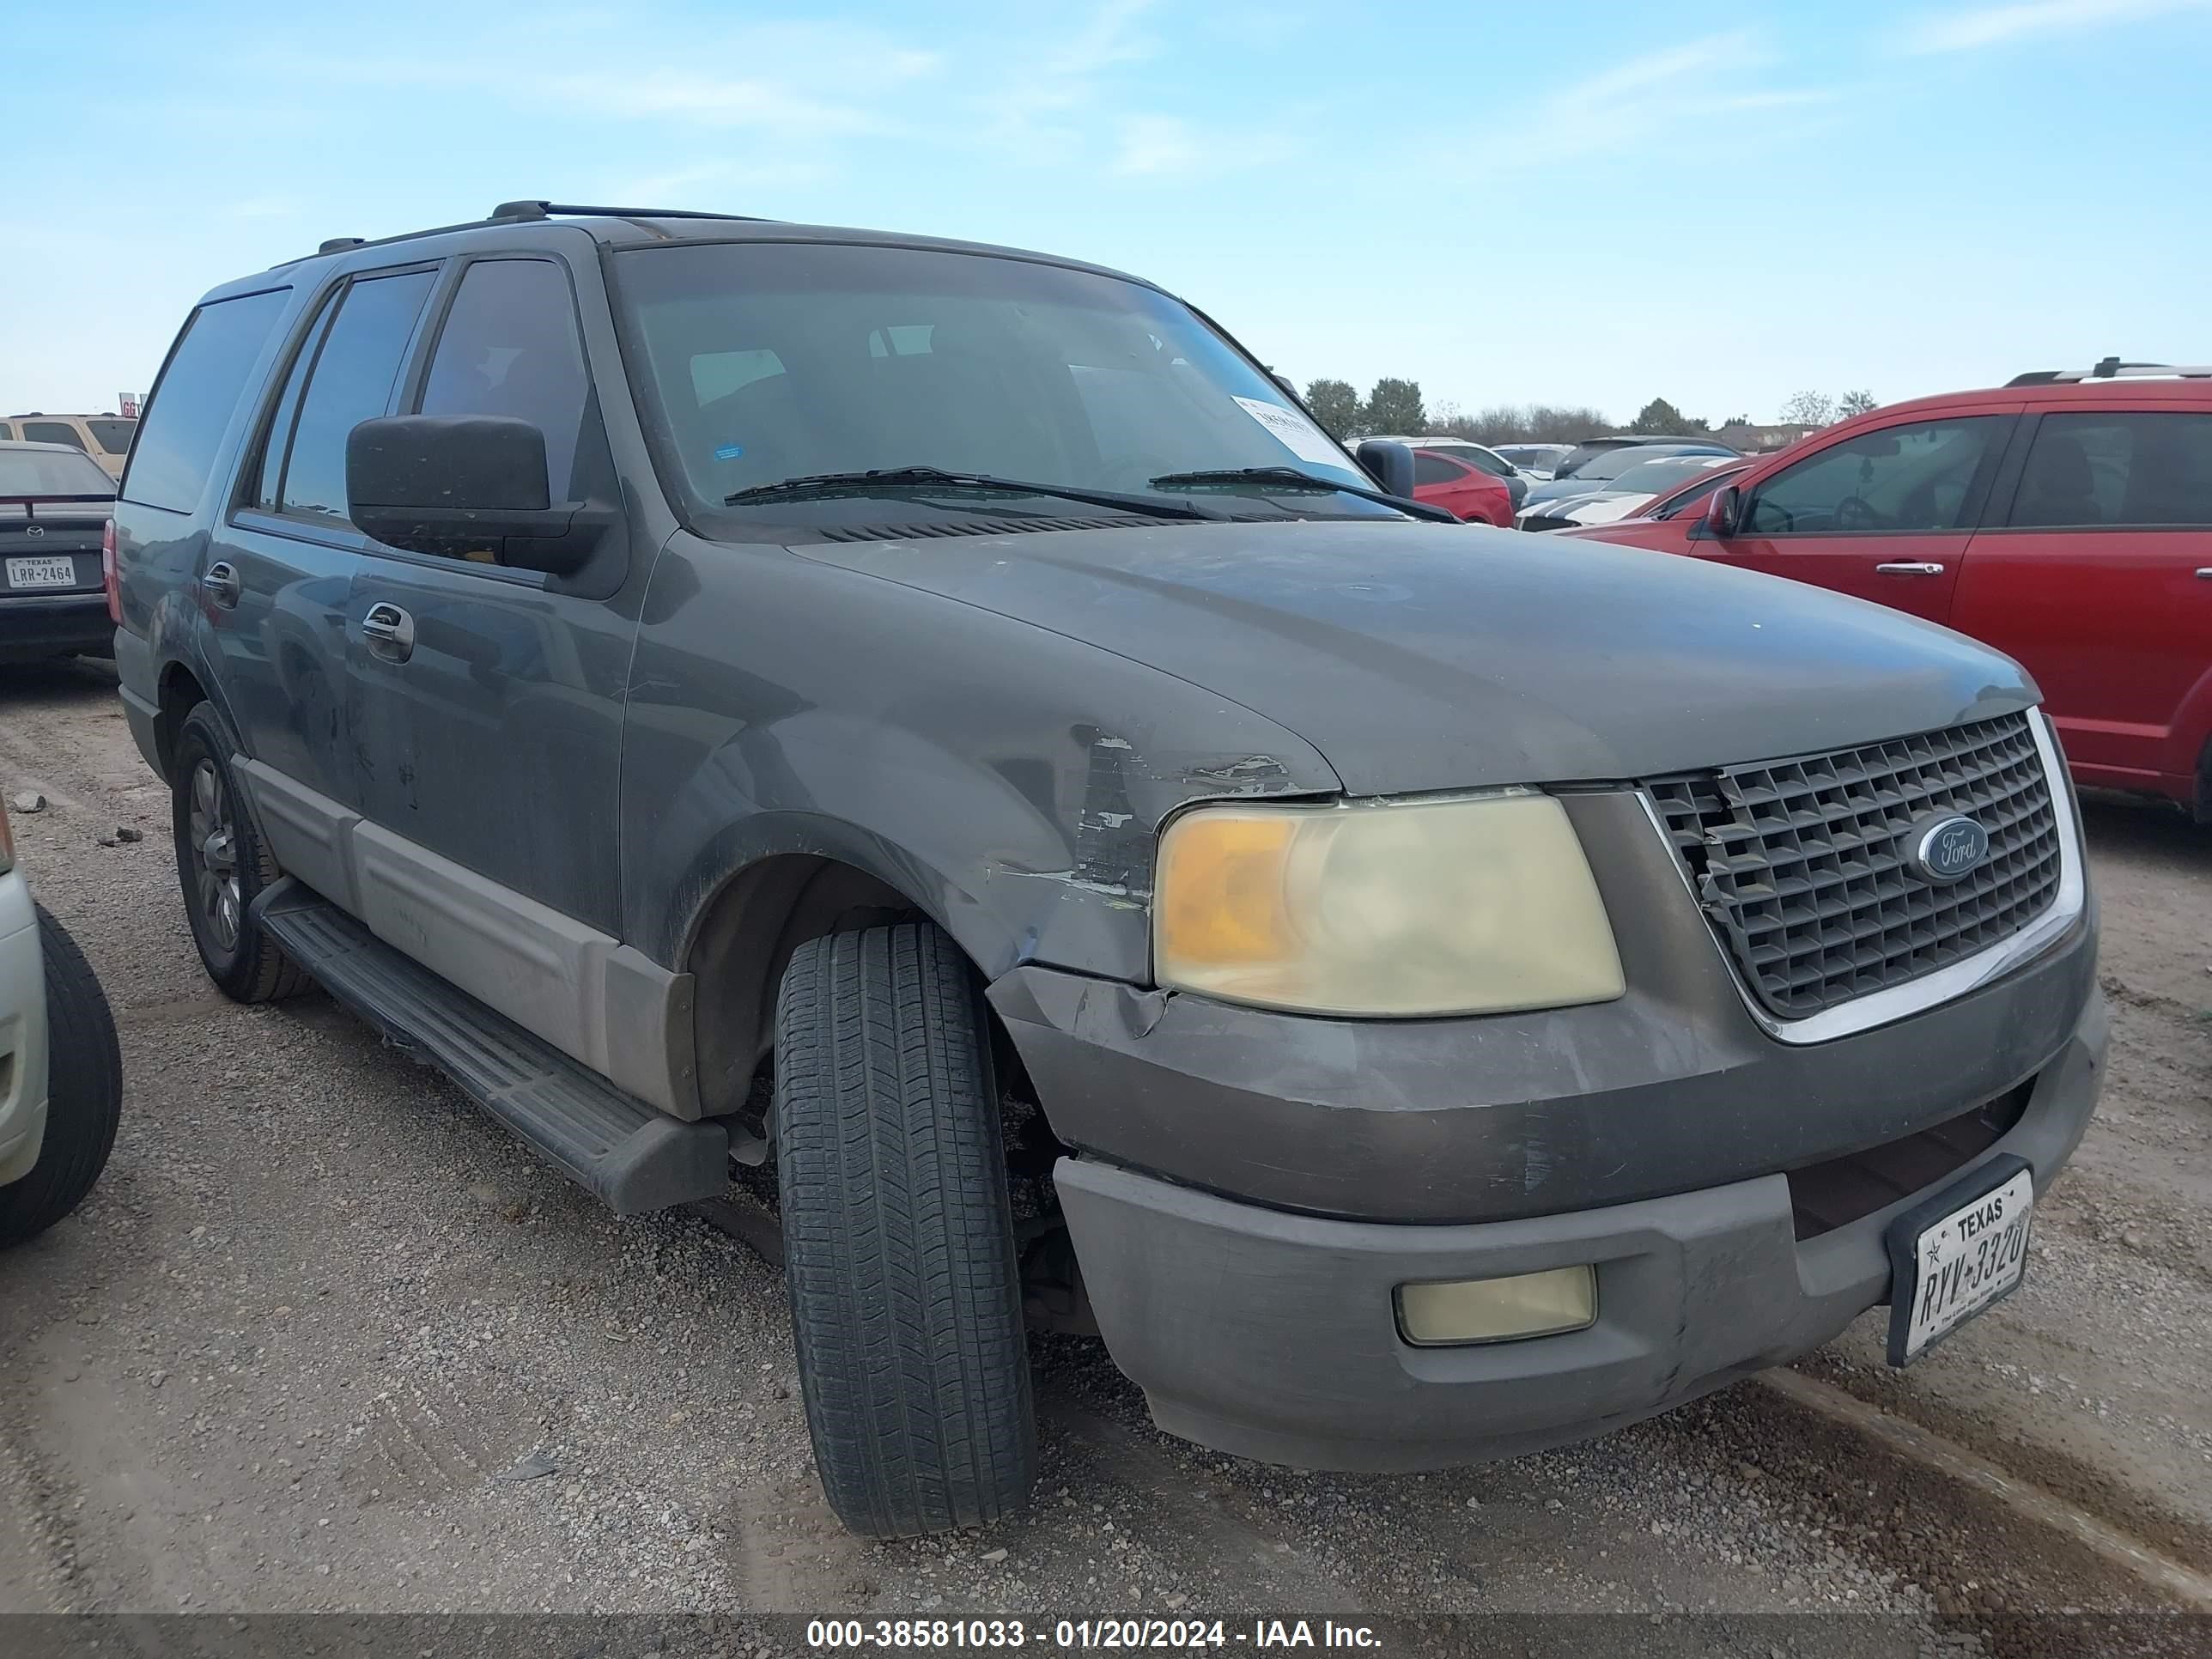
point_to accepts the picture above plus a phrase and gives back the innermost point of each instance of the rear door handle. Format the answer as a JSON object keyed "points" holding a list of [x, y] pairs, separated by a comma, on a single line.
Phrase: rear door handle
{"points": [[221, 582], [390, 632], [2205, 574], [1910, 569]]}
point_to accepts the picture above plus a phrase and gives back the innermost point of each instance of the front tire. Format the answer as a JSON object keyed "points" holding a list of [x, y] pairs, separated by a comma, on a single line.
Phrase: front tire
{"points": [[84, 1093], [898, 1235], [222, 866]]}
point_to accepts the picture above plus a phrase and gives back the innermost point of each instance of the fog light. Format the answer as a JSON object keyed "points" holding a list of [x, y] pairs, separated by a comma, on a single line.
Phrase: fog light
{"points": [[1455, 1310]]}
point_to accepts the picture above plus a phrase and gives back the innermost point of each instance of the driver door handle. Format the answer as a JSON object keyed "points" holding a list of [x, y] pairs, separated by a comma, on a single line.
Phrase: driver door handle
{"points": [[390, 632], [1910, 569], [220, 581]]}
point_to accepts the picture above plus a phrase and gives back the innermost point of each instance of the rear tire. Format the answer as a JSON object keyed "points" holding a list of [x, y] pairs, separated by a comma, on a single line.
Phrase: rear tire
{"points": [[898, 1235], [222, 866], [84, 1093]]}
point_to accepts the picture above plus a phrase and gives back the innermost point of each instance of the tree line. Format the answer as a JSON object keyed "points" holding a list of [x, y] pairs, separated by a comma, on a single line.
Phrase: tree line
{"points": [[1395, 405]]}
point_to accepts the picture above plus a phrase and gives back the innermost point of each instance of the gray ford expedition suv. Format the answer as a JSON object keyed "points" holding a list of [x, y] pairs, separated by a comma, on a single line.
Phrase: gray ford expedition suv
{"points": [[1425, 993]]}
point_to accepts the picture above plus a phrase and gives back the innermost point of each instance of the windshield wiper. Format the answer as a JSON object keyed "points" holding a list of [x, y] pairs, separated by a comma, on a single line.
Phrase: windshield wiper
{"points": [[1291, 477], [927, 480]]}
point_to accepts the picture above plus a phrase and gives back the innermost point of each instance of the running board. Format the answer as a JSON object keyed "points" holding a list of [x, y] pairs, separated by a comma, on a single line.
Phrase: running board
{"points": [[631, 1156]]}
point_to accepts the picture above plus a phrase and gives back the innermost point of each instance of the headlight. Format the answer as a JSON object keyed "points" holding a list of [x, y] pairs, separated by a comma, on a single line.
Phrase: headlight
{"points": [[1477, 904], [7, 842]]}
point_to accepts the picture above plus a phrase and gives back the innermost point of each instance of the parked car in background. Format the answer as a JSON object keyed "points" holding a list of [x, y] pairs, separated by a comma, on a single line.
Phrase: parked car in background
{"points": [[1624, 495], [2065, 519], [1577, 460], [54, 504], [105, 438], [1443, 478], [61, 1072], [1471, 453], [1535, 462], [1590, 469]]}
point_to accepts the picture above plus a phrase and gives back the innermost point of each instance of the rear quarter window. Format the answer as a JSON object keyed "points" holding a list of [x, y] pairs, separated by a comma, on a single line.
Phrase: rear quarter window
{"points": [[190, 408]]}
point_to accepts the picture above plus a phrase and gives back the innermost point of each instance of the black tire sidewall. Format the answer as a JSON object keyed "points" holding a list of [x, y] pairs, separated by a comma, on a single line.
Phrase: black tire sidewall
{"points": [[84, 1093], [241, 972]]}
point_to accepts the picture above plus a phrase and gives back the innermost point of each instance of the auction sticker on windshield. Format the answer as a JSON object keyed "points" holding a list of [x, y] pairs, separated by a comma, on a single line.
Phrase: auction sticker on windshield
{"points": [[1295, 433], [1958, 1254]]}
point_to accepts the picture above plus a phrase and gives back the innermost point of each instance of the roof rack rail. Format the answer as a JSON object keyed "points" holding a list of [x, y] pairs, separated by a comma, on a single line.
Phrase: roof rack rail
{"points": [[2111, 368], [548, 209], [522, 212]]}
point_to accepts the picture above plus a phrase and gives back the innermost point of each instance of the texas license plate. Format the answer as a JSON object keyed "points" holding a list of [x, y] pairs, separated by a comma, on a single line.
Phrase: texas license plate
{"points": [[1958, 1254], [42, 573]]}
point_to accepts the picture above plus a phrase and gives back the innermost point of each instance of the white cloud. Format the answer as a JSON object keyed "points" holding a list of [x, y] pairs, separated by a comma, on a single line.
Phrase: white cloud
{"points": [[1169, 147], [1992, 26], [1684, 94]]}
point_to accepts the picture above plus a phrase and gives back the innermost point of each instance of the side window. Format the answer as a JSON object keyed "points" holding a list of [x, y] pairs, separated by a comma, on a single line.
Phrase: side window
{"points": [[192, 403], [7, 433], [113, 435], [51, 432], [1432, 469], [352, 382], [2112, 468], [1900, 479], [276, 440], [509, 347]]}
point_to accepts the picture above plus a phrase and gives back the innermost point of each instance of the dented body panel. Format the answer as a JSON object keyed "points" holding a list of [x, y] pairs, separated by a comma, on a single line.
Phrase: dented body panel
{"points": [[1007, 778]]}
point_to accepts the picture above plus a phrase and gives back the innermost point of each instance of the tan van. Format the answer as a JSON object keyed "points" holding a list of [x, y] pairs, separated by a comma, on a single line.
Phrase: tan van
{"points": [[106, 438]]}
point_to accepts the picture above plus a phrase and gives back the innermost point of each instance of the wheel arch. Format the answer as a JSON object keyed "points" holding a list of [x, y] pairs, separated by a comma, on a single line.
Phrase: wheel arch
{"points": [[790, 884]]}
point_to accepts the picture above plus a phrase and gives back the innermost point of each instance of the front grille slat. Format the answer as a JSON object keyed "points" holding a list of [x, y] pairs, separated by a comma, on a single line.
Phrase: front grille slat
{"points": [[1804, 866]]}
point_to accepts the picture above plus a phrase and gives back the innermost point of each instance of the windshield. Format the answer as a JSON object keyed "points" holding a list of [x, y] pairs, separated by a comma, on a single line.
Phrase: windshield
{"points": [[774, 360], [1650, 477], [1609, 463], [50, 472]]}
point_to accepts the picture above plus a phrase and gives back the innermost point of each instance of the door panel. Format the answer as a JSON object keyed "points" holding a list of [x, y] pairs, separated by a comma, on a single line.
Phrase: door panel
{"points": [[2091, 582], [497, 742], [492, 734], [1882, 514]]}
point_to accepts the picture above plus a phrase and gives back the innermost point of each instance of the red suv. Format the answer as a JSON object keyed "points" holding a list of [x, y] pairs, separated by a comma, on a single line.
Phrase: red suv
{"points": [[2065, 518], [1461, 488]]}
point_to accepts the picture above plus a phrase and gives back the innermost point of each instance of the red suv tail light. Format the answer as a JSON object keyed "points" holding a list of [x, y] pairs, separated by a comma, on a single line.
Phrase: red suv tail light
{"points": [[109, 578]]}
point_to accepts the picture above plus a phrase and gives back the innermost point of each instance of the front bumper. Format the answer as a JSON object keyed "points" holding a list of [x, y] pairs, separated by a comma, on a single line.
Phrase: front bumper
{"points": [[1272, 1335], [33, 626]]}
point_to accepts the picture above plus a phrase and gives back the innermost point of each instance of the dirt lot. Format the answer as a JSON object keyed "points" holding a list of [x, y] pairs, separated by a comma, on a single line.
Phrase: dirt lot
{"points": [[324, 1339]]}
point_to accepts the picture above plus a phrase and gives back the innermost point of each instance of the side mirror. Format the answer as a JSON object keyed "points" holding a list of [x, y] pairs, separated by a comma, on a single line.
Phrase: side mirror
{"points": [[1724, 512], [452, 485], [1390, 464]]}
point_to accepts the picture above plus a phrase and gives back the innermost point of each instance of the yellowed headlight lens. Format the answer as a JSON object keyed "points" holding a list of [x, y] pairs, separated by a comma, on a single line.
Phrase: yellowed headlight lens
{"points": [[1479, 904], [7, 842]]}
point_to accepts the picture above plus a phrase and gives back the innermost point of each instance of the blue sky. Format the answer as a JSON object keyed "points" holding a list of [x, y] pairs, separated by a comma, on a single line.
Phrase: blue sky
{"points": [[1568, 202]]}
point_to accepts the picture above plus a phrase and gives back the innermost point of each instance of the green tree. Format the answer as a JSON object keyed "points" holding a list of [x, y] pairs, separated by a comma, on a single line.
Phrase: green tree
{"points": [[1394, 405], [1335, 405], [1661, 417], [1854, 403]]}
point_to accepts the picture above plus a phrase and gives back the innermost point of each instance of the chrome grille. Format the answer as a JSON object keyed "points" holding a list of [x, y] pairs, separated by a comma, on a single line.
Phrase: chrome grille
{"points": [[1804, 866]]}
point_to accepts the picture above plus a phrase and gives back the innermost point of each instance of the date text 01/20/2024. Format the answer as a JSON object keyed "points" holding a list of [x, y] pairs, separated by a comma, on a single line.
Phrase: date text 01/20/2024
{"points": [[1169, 1634]]}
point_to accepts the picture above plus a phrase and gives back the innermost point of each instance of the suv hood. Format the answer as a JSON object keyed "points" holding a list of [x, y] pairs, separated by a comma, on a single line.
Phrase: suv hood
{"points": [[1420, 657]]}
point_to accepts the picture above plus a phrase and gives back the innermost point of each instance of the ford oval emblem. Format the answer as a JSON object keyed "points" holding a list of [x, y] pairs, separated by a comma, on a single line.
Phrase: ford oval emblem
{"points": [[1950, 848]]}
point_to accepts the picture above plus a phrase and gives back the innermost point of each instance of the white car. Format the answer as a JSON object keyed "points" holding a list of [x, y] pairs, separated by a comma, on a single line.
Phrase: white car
{"points": [[1609, 500], [61, 1072], [1538, 461]]}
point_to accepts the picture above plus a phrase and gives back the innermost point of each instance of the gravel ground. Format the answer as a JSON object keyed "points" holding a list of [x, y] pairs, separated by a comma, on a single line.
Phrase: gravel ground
{"points": [[324, 1340]]}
